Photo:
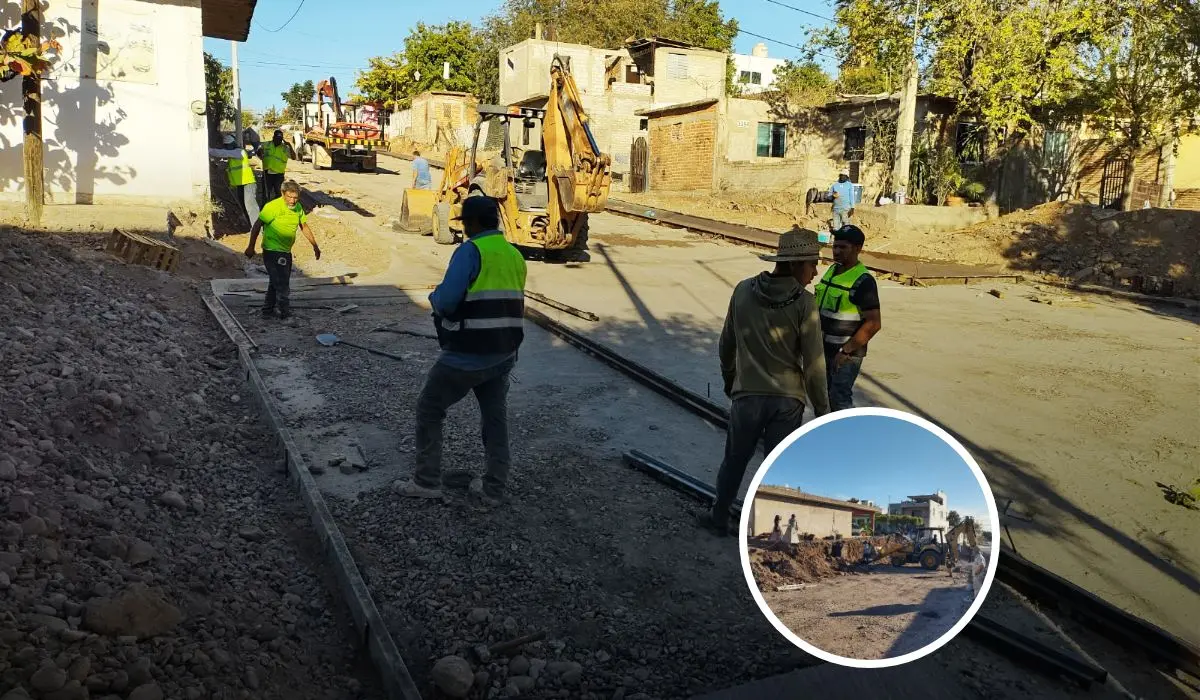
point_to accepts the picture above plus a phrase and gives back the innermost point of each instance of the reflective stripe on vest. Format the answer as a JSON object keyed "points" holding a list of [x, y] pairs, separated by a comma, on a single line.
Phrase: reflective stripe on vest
{"points": [[840, 318], [240, 172], [490, 319], [275, 158]]}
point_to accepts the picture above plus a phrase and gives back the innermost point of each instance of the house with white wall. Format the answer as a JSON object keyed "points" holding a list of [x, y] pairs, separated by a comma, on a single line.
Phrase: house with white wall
{"points": [[931, 508], [755, 72], [123, 115]]}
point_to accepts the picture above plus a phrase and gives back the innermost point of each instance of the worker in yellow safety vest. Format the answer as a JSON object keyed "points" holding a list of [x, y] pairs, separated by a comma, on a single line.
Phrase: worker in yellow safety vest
{"points": [[848, 300], [275, 157], [241, 175]]}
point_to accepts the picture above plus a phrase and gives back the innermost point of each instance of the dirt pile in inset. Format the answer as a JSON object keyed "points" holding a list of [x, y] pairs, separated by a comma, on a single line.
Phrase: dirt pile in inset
{"points": [[805, 562], [148, 548]]}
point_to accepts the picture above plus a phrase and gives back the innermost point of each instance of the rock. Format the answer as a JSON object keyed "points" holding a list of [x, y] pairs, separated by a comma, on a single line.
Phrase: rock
{"points": [[573, 675], [478, 615], [8, 470], [996, 293], [137, 612], [251, 533], [79, 669], [453, 676], [1109, 227], [73, 690], [84, 502], [50, 622], [48, 678], [140, 672], [518, 666], [536, 666], [15, 694], [1084, 275], [5, 581], [139, 552], [172, 499], [252, 681], [1124, 273], [11, 532], [149, 691], [523, 684], [35, 526], [109, 547]]}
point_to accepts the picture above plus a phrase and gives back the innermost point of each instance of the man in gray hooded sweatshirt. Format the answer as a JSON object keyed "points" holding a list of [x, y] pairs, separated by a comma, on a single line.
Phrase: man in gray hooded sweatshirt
{"points": [[773, 363]]}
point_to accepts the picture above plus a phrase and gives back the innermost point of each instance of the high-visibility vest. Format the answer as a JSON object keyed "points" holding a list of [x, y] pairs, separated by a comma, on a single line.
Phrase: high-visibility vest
{"points": [[275, 158], [840, 318], [240, 172], [491, 318]]}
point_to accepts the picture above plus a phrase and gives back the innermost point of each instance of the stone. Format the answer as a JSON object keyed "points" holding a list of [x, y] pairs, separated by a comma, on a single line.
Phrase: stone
{"points": [[48, 678], [50, 622], [109, 547], [1084, 275], [518, 666], [453, 676], [149, 691], [524, 684], [73, 690], [478, 615], [172, 499], [8, 470], [84, 502], [79, 668], [1109, 227], [138, 612], [139, 552], [35, 526], [15, 694], [251, 533]]}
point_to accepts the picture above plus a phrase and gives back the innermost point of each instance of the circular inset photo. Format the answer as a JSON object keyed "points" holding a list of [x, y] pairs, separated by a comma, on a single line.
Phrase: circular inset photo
{"points": [[866, 537]]}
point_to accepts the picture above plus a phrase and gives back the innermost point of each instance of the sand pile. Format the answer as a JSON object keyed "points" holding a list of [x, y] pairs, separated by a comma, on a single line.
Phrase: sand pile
{"points": [[801, 563]]}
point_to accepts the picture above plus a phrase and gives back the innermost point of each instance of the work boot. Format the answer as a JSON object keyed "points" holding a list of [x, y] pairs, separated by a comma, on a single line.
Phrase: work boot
{"points": [[484, 500], [268, 311], [717, 526], [412, 489], [458, 479], [284, 314]]}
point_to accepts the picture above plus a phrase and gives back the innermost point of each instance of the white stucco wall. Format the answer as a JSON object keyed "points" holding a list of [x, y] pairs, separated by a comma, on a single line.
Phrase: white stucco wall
{"points": [[125, 132], [763, 65]]}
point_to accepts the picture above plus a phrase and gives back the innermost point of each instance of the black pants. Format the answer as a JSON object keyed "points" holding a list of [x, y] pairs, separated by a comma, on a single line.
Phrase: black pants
{"points": [[752, 418], [279, 276], [272, 182]]}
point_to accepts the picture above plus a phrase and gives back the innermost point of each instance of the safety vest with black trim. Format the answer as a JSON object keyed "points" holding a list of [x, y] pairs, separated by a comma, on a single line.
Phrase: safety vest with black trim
{"points": [[490, 319], [275, 158], [840, 318], [240, 172]]}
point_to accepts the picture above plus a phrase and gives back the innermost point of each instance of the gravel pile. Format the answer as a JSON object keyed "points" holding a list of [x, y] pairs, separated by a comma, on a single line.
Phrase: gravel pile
{"points": [[634, 600], [149, 549]]}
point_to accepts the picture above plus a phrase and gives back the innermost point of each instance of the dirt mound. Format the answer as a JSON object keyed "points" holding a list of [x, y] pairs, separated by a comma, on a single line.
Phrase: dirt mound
{"points": [[801, 563], [147, 546], [1087, 244]]}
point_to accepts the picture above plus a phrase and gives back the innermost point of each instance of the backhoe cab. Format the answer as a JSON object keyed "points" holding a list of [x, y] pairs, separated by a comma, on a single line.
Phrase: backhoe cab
{"points": [[549, 176]]}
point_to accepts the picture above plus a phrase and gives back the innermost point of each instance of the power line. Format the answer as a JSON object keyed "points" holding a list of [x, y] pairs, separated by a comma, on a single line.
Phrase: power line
{"points": [[801, 10], [784, 43], [289, 21], [301, 65]]}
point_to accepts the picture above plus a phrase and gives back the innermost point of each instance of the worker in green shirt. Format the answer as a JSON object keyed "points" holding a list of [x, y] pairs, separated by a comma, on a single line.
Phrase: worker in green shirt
{"points": [[278, 222], [274, 155], [241, 177]]}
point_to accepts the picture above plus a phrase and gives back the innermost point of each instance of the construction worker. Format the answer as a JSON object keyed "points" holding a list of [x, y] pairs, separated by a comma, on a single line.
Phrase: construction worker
{"points": [[848, 297], [240, 176], [278, 222], [274, 156], [421, 177], [478, 310], [843, 201], [771, 361]]}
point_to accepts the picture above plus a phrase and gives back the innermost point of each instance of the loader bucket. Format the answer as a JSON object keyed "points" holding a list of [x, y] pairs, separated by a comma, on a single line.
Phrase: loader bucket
{"points": [[416, 209]]}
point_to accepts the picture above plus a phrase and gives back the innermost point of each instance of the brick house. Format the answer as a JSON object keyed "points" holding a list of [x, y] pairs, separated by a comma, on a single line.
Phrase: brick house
{"points": [[614, 83]]}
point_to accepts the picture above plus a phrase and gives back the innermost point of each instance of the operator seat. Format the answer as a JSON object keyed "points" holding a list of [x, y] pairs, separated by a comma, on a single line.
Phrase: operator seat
{"points": [[533, 166]]}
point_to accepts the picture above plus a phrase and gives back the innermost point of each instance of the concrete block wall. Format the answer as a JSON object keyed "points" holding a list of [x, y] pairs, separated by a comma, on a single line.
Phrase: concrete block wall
{"points": [[811, 519], [705, 76], [105, 138], [767, 174], [682, 150]]}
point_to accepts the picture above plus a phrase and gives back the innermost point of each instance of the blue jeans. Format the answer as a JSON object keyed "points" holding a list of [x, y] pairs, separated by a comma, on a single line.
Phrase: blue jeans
{"points": [[446, 386], [841, 380], [840, 219]]}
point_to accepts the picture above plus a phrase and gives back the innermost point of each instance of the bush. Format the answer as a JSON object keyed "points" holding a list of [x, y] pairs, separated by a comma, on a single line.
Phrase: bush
{"points": [[974, 191]]}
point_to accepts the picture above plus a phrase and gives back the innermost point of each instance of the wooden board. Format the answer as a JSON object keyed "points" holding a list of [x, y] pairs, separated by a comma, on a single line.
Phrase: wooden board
{"points": [[136, 249]]}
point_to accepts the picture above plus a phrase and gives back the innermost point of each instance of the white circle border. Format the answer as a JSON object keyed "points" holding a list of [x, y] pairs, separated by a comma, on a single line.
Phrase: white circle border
{"points": [[744, 546]]}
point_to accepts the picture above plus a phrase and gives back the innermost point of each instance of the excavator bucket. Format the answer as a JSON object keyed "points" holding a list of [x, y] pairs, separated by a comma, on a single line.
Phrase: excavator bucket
{"points": [[416, 210]]}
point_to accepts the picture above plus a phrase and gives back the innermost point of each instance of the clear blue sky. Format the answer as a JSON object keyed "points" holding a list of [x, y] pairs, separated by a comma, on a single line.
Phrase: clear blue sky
{"points": [[272, 60], [875, 458]]}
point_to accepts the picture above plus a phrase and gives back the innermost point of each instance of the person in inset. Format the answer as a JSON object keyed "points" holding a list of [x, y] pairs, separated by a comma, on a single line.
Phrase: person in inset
{"points": [[790, 536], [478, 310], [843, 201], [241, 176], [772, 363], [274, 156], [422, 180], [776, 532], [278, 222], [849, 301]]}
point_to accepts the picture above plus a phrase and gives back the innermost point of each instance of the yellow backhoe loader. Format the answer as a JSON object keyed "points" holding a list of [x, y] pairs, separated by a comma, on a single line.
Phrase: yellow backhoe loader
{"points": [[545, 185], [935, 546]]}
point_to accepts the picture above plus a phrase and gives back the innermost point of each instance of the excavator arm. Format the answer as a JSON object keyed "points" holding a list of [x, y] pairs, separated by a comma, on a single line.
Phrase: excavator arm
{"points": [[579, 173]]}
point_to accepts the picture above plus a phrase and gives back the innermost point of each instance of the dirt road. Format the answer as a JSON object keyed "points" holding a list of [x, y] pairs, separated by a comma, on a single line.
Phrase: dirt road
{"points": [[1075, 407], [884, 614]]}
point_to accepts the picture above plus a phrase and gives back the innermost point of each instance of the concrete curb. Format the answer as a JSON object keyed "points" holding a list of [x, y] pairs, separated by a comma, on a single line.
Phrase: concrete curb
{"points": [[1189, 304], [373, 633]]}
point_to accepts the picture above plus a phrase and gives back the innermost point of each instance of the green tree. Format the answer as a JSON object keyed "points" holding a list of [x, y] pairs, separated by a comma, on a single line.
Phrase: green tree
{"points": [[271, 116], [1139, 82], [395, 80], [385, 80], [218, 86], [294, 99], [795, 98], [249, 119], [953, 518]]}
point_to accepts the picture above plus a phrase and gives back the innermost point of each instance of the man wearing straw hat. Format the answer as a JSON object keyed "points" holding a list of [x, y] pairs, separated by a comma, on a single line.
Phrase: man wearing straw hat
{"points": [[772, 361]]}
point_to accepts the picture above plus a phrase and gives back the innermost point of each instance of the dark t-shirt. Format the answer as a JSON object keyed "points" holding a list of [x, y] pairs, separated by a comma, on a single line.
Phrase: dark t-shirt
{"points": [[864, 294]]}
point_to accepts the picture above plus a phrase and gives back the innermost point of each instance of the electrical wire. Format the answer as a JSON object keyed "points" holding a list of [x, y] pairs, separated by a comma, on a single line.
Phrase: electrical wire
{"points": [[289, 21], [784, 43], [800, 10]]}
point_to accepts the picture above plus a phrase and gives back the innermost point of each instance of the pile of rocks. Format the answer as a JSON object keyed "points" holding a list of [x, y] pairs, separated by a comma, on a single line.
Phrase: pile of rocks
{"points": [[149, 547]]}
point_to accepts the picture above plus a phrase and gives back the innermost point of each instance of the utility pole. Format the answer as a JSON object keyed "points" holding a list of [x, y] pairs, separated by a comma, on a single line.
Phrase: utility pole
{"points": [[31, 93], [906, 122], [237, 98]]}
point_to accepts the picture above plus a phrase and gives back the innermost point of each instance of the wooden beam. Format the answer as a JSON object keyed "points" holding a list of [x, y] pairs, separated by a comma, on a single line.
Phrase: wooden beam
{"points": [[31, 94]]}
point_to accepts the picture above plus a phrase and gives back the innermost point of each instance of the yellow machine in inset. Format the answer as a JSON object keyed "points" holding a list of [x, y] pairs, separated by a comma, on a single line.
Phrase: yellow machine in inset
{"points": [[545, 185], [935, 546]]}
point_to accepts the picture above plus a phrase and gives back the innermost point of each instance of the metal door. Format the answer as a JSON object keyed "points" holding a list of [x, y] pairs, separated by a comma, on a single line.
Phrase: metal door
{"points": [[639, 165], [1112, 183]]}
